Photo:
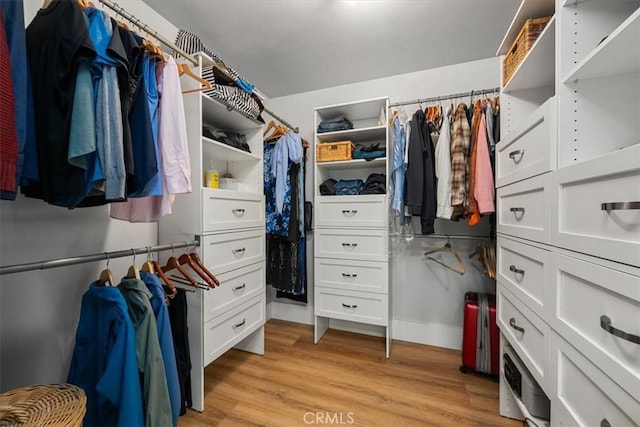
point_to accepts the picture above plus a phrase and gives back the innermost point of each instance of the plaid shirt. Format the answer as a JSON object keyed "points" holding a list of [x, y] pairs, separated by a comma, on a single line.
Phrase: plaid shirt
{"points": [[459, 153]]}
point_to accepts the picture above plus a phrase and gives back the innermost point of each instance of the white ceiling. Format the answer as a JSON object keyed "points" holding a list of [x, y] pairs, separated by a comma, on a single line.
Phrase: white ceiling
{"points": [[292, 46]]}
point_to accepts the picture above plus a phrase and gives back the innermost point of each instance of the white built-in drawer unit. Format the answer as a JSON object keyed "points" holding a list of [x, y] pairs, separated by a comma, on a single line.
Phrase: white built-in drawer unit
{"points": [[584, 395], [354, 306], [530, 149], [526, 332], [227, 251], [351, 211], [598, 311], [227, 330], [365, 276], [365, 245], [229, 210], [598, 206], [235, 287], [524, 208], [525, 270]]}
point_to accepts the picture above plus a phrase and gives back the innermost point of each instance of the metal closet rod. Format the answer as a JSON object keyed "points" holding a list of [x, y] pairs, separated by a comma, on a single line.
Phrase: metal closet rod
{"points": [[281, 120], [62, 262], [446, 97]]}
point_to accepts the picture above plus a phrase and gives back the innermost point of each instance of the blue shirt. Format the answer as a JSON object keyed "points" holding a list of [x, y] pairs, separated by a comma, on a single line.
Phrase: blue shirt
{"points": [[398, 167], [289, 147], [104, 360], [166, 341]]}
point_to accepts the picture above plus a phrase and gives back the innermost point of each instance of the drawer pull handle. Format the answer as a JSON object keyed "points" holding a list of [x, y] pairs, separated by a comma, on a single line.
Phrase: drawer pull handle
{"points": [[238, 251], [512, 323], [349, 245], [513, 154], [605, 423], [237, 325], [605, 323], [516, 270], [516, 210], [620, 206], [238, 212], [349, 306], [239, 288], [349, 275], [349, 212]]}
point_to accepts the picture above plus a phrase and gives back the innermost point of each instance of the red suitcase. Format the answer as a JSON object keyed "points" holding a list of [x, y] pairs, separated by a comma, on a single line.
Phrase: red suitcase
{"points": [[469, 334]]}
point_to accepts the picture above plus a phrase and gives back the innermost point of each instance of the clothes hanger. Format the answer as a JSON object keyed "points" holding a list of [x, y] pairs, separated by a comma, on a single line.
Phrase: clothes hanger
{"points": [[133, 272], [186, 69], [448, 247], [186, 259], [394, 114], [196, 258], [106, 276], [173, 264]]}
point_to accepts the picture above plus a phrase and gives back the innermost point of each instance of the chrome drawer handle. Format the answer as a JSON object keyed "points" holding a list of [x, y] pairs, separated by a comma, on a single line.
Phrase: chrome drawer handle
{"points": [[350, 245], [605, 323], [516, 270], [513, 154], [349, 275], [239, 288], [237, 325], [619, 206], [515, 210], [605, 423], [238, 251], [512, 323], [238, 212], [349, 212], [349, 306]]}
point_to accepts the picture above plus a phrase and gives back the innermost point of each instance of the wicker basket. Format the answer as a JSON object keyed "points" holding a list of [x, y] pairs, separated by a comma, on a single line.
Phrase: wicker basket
{"points": [[43, 405], [521, 46], [334, 151]]}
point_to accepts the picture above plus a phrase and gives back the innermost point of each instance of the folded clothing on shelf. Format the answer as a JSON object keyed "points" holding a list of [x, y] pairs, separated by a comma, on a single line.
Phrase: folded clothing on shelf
{"points": [[375, 184], [327, 187], [369, 152], [348, 187], [232, 139], [332, 125]]}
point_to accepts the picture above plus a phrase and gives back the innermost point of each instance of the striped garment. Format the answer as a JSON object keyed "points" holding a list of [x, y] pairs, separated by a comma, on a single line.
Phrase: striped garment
{"points": [[460, 143]]}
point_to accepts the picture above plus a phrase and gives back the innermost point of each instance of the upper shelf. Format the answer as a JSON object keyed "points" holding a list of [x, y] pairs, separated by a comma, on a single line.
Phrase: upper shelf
{"points": [[618, 54], [353, 164], [355, 111], [538, 67], [218, 115], [372, 133], [226, 152], [528, 9]]}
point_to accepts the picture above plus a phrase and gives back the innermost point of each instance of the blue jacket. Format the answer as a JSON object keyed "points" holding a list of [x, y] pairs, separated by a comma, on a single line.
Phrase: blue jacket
{"points": [[104, 360]]}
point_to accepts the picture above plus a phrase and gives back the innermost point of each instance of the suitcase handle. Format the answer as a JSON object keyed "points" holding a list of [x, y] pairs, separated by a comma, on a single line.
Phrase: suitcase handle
{"points": [[516, 270], [512, 323]]}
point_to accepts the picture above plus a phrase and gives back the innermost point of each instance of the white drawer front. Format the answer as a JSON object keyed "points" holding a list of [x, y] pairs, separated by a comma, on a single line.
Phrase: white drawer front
{"points": [[583, 224], [367, 245], [525, 269], [228, 251], [585, 293], [524, 209], [364, 276], [227, 210], [235, 287], [528, 150], [222, 333], [526, 332], [355, 306], [584, 395], [351, 211]]}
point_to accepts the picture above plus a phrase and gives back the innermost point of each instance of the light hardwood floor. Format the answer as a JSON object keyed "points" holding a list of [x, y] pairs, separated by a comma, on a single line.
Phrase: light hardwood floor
{"points": [[343, 380]]}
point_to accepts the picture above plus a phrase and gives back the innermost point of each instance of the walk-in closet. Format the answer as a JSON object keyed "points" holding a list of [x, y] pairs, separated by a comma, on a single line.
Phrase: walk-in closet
{"points": [[320, 212]]}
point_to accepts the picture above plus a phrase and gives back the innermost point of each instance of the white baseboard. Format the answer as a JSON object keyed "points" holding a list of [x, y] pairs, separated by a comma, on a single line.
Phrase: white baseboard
{"points": [[434, 334]]}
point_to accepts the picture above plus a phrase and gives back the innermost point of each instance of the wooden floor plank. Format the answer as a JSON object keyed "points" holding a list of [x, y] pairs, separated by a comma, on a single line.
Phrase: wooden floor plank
{"points": [[345, 379]]}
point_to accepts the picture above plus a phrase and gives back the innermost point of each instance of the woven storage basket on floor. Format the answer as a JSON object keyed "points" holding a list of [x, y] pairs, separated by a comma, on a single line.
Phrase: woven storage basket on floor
{"points": [[522, 44], [334, 151], [43, 405]]}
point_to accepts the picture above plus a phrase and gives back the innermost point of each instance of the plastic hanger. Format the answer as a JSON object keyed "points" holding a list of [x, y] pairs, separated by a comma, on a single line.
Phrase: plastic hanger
{"points": [[106, 276], [186, 69], [448, 247]]}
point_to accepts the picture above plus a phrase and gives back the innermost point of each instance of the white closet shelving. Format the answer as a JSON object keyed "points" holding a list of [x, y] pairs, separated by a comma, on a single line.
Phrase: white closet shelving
{"points": [[567, 172], [351, 243], [230, 225]]}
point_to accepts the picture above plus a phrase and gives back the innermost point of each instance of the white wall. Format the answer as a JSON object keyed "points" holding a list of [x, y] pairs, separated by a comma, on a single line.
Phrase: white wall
{"points": [[427, 300], [39, 310]]}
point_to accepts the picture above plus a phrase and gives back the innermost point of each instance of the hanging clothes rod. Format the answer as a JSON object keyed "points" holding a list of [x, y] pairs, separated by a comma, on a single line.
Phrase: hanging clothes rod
{"points": [[62, 262], [446, 97], [281, 120], [443, 236]]}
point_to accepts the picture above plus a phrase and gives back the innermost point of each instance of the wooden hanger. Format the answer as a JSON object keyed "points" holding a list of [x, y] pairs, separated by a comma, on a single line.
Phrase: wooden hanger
{"points": [[186, 69], [106, 276], [448, 247], [394, 114], [173, 264], [196, 258], [152, 266], [134, 271], [185, 259]]}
